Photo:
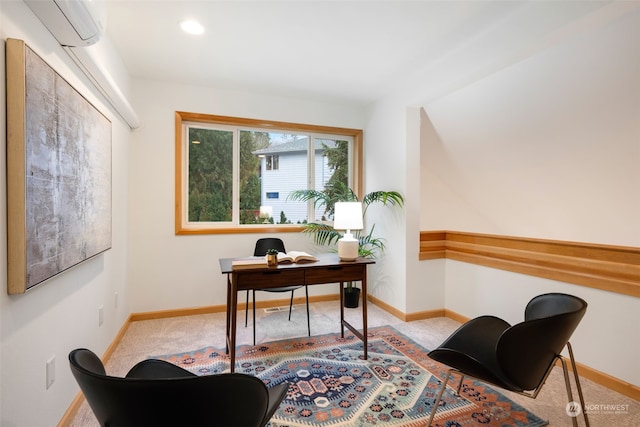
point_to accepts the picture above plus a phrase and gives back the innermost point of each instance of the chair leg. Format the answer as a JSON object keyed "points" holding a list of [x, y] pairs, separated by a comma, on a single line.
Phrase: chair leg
{"points": [[246, 310], [574, 368], [459, 385], [567, 384], [306, 291], [437, 402], [290, 305]]}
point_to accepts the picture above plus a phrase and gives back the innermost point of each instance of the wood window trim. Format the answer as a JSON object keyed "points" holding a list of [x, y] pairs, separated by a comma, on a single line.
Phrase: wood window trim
{"points": [[182, 116]]}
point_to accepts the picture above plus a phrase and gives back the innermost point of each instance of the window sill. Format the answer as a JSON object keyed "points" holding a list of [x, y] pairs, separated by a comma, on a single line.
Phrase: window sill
{"points": [[245, 229]]}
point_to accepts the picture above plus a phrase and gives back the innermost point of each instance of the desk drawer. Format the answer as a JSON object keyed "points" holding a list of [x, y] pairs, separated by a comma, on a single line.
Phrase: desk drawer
{"points": [[335, 273], [270, 279]]}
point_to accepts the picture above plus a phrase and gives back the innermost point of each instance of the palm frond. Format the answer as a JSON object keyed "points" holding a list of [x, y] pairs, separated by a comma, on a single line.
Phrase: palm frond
{"points": [[327, 198], [369, 246], [323, 234], [387, 198]]}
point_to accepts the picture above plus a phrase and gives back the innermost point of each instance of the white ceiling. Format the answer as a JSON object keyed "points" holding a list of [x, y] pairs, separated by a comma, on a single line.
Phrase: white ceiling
{"points": [[339, 51]]}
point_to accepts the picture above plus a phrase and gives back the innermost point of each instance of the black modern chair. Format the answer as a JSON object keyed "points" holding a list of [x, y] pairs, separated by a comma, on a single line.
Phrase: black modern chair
{"points": [[158, 393], [518, 358], [262, 245]]}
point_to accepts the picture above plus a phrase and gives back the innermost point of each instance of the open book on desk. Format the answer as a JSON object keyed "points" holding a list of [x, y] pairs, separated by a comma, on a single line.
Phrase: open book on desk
{"points": [[295, 257]]}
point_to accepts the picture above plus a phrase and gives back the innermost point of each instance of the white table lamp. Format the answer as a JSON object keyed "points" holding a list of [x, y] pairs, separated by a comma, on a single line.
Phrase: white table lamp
{"points": [[348, 216]]}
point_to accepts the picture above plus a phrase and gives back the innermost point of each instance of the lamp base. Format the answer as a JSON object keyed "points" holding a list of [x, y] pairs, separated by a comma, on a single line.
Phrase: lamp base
{"points": [[347, 249]]}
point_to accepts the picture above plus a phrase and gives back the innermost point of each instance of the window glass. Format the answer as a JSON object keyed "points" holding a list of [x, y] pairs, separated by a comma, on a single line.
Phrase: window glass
{"points": [[332, 166], [210, 175], [250, 184], [272, 162], [285, 164]]}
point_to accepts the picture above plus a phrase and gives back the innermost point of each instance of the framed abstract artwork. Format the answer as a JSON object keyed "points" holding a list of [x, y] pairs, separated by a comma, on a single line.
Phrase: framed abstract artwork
{"points": [[58, 173]]}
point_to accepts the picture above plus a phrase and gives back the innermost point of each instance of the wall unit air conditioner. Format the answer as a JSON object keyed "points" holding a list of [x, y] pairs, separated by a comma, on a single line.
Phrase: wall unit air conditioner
{"points": [[72, 22]]}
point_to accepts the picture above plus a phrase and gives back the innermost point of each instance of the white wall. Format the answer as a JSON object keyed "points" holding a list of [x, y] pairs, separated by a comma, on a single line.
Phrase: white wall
{"points": [[61, 314], [549, 148], [169, 271], [546, 146], [385, 169]]}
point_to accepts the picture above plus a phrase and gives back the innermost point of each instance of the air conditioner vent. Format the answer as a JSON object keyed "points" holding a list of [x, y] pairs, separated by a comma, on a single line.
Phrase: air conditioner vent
{"points": [[72, 22]]}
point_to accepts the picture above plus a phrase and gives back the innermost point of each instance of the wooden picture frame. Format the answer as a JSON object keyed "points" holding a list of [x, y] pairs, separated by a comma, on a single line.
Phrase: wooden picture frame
{"points": [[58, 173]]}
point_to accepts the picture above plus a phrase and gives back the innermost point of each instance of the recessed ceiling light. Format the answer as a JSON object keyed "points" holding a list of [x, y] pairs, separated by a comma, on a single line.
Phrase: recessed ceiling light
{"points": [[192, 26]]}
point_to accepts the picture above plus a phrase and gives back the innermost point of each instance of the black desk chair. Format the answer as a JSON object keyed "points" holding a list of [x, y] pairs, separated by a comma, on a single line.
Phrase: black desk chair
{"points": [[519, 357], [262, 245], [158, 393]]}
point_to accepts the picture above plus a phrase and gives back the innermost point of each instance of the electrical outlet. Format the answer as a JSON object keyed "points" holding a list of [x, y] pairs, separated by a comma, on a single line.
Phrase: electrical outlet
{"points": [[115, 300], [100, 315], [51, 371]]}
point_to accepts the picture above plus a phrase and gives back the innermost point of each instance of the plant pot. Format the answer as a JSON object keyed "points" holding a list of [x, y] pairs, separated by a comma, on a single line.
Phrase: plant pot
{"points": [[272, 260], [351, 297]]}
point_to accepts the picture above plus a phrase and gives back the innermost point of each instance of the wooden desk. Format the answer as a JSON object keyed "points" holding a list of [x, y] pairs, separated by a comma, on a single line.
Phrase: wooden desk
{"points": [[328, 269]]}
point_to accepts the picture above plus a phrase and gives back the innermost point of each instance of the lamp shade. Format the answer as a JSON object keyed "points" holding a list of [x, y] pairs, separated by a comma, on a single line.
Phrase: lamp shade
{"points": [[347, 216]]}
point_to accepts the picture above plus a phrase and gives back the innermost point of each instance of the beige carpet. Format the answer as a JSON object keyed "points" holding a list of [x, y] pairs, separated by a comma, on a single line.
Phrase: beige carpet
{"points": [[174, 335]]}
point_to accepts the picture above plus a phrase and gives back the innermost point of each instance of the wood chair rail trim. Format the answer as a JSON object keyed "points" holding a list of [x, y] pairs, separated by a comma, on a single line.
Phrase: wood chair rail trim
{"points": [[606, 267]]}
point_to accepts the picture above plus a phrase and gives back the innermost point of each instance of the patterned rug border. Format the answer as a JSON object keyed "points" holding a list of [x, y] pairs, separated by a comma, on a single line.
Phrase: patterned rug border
{"points": [[492, 407]]}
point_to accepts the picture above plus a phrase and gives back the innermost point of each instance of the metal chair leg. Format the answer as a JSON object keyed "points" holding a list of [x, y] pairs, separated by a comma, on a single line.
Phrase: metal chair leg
{"points": [[437, 402], [567, 384], [290, 305], [574, 368], [459, 385], [246, 310]]}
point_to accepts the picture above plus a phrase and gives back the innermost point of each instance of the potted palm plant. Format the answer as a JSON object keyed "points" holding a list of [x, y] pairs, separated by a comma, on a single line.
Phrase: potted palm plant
{"points": [[324, 234]]}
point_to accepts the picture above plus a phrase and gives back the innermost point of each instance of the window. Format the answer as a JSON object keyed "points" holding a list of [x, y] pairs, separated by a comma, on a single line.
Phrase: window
{"points": [[272, 162], [235, 175]]}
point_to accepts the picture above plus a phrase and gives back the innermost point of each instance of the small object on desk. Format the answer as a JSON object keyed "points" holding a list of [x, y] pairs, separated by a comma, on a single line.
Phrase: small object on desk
{"points": [[272, 257], [251, 262], [295, 257]]}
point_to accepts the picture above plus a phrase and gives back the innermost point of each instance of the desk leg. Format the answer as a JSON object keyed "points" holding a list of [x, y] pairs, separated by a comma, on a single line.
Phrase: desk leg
{"points": [[365, 334], [341, 284], [232, 314], [228, 320]]}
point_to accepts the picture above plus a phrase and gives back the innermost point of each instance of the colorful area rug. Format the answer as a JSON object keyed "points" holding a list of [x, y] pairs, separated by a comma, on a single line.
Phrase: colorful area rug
{"points": [[331, 384]]}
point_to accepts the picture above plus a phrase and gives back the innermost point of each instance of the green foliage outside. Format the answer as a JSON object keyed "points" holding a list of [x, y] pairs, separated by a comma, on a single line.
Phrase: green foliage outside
{"points": [[210, 175], [210, 164]]}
